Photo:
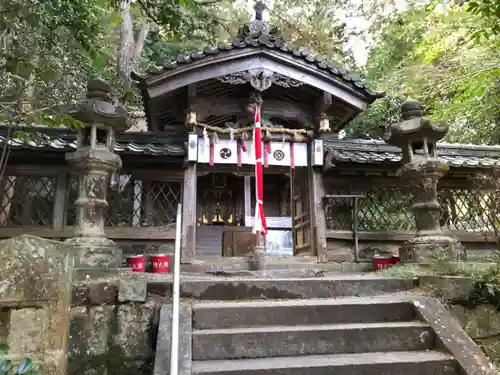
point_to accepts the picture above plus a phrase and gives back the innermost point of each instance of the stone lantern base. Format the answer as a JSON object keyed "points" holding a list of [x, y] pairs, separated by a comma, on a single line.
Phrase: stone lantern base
{"points": [[96, 252], [424, 249]]}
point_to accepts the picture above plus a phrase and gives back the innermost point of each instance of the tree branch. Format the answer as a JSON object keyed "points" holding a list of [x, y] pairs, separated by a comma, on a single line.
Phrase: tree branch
{"points": [[206, 2], [147, 12]]}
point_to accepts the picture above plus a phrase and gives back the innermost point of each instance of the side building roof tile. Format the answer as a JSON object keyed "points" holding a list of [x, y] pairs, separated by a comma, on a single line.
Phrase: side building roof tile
{"points": [[355, 151]]}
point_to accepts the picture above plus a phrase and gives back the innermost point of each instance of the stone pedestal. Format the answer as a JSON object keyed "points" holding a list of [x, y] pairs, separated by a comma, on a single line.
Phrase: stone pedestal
{"points": [[96, 252], [429, 241], [424, 249]]}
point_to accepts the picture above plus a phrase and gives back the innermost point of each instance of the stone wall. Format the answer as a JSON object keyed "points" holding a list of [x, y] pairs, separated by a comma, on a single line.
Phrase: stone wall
{"points": [[482, 323], [146, 247], [35, 293], [343, 250], [114, 326]]}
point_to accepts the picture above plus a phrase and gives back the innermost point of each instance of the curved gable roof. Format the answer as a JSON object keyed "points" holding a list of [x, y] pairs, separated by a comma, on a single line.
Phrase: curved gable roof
{"points": [[257, 46]]}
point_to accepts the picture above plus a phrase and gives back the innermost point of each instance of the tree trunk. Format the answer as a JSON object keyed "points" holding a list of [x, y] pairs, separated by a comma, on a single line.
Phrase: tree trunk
{"points": [[130, 49]]}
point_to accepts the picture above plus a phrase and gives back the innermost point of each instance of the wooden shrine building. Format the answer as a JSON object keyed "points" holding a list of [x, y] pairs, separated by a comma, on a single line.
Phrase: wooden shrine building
{"points": [[324, 197]]}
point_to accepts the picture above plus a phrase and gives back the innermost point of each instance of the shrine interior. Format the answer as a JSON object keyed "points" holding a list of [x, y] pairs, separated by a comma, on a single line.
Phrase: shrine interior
{"points": [[226, 208]]}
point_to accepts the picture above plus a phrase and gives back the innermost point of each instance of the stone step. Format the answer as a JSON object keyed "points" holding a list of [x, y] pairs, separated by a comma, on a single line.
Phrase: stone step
{"points": [[387, 363], [292, 288], [287, 341], [212, 315], [274, 264]]}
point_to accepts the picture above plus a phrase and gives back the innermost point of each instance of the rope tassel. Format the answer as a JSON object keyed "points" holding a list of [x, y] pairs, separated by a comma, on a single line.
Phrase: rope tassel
{"points": [[213, 140]]}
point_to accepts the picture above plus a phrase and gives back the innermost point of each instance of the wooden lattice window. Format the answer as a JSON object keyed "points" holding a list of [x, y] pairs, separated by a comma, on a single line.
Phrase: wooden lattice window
{"points": [[381, 209], [389, 209], [164, 198], [467, 210], [386, 209], [135, 203], [27, 201]]}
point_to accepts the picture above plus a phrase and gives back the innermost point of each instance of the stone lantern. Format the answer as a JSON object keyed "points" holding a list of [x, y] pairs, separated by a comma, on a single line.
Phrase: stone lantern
{"points": [[103, 118], [417, 137]]}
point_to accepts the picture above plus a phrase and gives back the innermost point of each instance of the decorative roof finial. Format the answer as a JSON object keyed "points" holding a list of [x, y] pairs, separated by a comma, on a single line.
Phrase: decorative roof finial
{"points": [[259, 26], [259, 8]]}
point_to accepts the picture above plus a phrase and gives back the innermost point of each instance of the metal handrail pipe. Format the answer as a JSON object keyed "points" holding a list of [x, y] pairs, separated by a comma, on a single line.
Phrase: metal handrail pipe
{"points": [[174, 345]]}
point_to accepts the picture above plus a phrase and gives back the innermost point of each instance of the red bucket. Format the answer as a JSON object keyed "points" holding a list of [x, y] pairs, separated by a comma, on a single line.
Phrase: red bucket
{"points": [[160, 263], [137, 263], [381, 262]]}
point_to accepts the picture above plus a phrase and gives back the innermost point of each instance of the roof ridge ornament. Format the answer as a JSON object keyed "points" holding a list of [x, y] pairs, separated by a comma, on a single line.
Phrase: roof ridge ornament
{"points": [[259, 27], [259, 8]]}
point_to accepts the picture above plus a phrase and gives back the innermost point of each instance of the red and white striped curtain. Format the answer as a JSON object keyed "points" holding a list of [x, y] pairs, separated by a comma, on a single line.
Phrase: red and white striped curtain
{"points": [[260, 224]]}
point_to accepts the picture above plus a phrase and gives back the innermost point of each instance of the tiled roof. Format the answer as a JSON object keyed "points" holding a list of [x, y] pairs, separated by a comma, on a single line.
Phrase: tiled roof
{"points": [[377, 151], [357, 151], [267, 38], [64, 140]]}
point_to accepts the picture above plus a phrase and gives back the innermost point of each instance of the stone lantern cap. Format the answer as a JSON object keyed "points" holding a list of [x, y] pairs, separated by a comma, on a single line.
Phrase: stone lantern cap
{"points": [[415, 128], [100, 108]]}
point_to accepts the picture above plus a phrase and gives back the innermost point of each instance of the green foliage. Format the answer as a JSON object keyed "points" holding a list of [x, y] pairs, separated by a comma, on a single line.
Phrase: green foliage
{"points": [[48, 52], [490, 282], [374, 121], [488, 10], [7, 367], [178, 18], [427, 53], [316, 25], [158, 49], [49, 49], [441, 263], [208, 25]]}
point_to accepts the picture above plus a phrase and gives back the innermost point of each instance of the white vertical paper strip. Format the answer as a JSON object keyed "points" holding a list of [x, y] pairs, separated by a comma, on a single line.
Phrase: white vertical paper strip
{"points": [[203, 153], [318, 152], [300, 154], [193, 147]]}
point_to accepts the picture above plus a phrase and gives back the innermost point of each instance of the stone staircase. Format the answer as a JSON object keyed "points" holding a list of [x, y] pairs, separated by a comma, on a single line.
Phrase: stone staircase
{"points": [[345, 336], [341, 325]]}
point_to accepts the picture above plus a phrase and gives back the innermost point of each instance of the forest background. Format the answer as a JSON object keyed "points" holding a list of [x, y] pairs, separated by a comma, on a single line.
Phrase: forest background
{"points": [[442, 53]]}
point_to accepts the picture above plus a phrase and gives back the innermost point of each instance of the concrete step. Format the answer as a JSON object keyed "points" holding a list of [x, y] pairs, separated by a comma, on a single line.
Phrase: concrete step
{"points": [[212, 315], [388, 363], [287, 341]]}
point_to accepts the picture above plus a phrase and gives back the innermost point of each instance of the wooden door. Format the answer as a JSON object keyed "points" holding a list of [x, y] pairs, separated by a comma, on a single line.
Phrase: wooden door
{"points": [[301, 212]]}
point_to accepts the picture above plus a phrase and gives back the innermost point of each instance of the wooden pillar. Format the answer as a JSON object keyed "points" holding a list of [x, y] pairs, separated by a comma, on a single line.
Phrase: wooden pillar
{"points": [[189, 195], [149, 207], [60, 202], [189, 214], [317, 191]]}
